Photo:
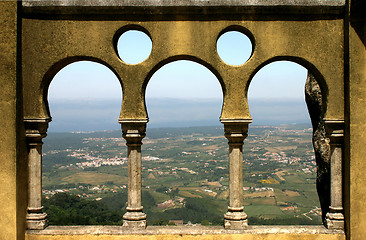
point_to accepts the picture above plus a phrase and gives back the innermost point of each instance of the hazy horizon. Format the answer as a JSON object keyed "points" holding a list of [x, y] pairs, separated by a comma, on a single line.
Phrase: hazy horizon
{"points": [[87, 96], [101, 115]]}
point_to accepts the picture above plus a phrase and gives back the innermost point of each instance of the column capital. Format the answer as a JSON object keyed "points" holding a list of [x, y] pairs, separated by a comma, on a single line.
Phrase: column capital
{"points": [[236, 130], [334, 129], [36, 129], [133, 131]]}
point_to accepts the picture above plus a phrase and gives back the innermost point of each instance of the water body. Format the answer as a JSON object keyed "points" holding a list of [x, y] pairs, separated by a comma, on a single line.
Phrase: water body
{"points": [[99, 115]]}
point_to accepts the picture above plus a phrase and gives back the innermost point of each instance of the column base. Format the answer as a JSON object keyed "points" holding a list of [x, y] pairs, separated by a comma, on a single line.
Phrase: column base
{"points": [[134, 220], [235, 220], [37, 221], [334, 221]]}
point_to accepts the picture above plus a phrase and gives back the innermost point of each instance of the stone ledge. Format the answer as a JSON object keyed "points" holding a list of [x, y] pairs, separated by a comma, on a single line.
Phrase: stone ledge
{"points": [[178, 230], [156, 3], [182, 7]]}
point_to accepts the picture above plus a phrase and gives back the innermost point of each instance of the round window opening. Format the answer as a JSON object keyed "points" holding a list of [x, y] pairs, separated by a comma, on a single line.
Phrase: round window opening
{"points": [[234, 48], [134, 46]]}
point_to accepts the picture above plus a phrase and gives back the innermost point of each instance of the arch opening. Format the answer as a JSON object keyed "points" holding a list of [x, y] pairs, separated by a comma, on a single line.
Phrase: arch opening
{"points": [[185, 152], [84, 156], [91, 86], [183, 82], [280, 163]]}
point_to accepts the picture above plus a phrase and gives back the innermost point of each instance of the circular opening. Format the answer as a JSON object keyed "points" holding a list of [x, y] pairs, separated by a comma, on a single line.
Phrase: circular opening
{"points": [[234, 48], [134, 46]]}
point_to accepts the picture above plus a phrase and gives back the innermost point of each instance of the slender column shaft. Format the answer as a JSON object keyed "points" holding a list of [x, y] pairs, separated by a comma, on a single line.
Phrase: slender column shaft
{"points": [[236, 175], [35, 177], [236, 132], [35, 131], [336, 176], [134, 176], [134, 132], [335, 216]]}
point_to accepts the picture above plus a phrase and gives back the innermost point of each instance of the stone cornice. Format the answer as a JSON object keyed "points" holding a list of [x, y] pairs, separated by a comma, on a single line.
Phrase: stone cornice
{"points": [[185, 7]]}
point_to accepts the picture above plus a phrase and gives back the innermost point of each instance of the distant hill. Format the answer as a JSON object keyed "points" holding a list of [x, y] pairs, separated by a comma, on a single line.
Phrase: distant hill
{"points": [[63, 140], [185, 176]]}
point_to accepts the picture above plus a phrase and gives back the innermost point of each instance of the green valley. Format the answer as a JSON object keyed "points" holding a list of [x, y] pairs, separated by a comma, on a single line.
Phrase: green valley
{"points": [[185, 176]]}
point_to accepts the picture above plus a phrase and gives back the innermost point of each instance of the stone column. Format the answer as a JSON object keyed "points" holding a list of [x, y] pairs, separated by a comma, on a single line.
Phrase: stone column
{"points": [[134, 132], [236, 131], [35, 130], [335, 133]]}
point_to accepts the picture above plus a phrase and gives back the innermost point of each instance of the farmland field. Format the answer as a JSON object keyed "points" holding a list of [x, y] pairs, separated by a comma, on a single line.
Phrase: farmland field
{"points": [[185, 173]]}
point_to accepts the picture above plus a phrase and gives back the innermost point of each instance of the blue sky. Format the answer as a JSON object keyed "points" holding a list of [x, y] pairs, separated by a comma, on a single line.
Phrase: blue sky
{"points": [[188, 85]]}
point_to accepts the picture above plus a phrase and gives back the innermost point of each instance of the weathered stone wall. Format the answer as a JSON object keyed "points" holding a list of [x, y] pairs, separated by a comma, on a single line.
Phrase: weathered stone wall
{"points": [[318, 34], [308, 43], [355, 121], [13, 175]]}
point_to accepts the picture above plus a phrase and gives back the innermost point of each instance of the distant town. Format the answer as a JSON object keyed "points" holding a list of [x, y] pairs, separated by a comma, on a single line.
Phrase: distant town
{"points": [[183, 167]]}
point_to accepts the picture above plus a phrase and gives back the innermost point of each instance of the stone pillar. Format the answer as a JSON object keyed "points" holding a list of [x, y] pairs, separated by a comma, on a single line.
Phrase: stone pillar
{"points": [[335, 133], [134, 132], [35, 130], [236, 131]]}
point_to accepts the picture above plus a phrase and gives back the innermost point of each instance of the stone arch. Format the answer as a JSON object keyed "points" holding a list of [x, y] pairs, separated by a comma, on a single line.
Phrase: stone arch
{"points": [[194, 60], [178, 58], [36, 130], [56, 67], [316, 93], [312, 70]]}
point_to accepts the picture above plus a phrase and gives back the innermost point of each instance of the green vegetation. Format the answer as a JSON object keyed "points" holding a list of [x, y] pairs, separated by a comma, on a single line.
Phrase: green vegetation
{"points": [[185, 176], [66, 209]]}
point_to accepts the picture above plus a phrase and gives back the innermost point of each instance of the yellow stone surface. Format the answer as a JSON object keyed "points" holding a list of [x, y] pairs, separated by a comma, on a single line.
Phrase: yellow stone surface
{"points": [[45, 52], [356, 152], [193, 237], [33, 50], [13, 179]]}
